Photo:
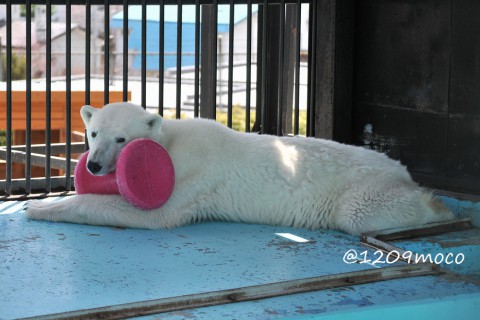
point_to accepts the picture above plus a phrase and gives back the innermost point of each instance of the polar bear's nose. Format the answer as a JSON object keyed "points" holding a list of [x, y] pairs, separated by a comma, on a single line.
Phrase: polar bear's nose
{"points": [[94, 167]]}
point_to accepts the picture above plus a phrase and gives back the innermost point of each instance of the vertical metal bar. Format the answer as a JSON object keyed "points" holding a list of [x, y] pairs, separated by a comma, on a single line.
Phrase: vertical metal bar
{"points": [[332, 64], [179, 59], [311, 67], [288, 68], [208, 58], [161, 57], [28, 102], [309, 57], [144, 55], [196, 102], [8, 187], [297, 70], [48, 97], [258, 74], [88, 35], [68, 113], [125, 50], [230, 63], [214, 56], [281, 69], [249, 66], [106, 52], [263, 98]]}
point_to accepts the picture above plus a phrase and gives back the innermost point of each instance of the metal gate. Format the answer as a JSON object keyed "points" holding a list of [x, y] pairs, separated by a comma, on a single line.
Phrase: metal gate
{"points": [[290, 52]]}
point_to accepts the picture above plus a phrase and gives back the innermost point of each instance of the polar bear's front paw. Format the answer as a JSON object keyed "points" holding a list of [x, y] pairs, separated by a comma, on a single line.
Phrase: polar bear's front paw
{"points": [[38, 210]]}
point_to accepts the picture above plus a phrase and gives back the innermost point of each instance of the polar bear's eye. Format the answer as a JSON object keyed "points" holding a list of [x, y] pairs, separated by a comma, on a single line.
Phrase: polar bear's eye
{"points": [[94, 134], [120, 140]]}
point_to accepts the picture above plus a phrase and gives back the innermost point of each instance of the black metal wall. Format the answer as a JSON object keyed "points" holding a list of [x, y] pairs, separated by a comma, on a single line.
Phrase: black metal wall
{"points": [[417, 87]]}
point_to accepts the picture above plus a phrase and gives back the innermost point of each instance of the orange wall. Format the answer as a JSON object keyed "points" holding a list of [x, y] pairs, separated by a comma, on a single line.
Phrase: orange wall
{"points": [[58, 109]]}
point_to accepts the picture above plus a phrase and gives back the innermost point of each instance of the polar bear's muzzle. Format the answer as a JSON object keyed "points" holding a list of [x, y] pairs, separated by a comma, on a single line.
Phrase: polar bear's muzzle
{"points": [[101, 161], [94, 167]]}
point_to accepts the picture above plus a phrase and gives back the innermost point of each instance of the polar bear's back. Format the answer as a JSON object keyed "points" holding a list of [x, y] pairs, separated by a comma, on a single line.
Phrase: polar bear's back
{"points": [[287, 180], [211, 143]]}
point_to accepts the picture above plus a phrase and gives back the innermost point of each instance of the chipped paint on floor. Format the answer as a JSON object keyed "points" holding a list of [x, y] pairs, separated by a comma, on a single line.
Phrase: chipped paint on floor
{"points": [[379, 300]]}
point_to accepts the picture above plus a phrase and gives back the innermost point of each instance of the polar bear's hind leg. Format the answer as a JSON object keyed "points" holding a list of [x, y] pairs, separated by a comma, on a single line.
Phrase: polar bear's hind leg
{"points": [[368, 208]]}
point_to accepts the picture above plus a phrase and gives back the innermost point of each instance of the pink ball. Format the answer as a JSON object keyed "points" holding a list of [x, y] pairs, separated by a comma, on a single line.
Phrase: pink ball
{"points": [[144, 175]]}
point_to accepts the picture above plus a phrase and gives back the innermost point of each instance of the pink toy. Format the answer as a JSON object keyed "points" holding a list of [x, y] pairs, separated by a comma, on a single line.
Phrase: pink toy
{"points": [[144, 175]]}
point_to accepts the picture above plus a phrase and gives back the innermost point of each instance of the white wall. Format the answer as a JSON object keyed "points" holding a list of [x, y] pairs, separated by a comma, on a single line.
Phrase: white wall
{"points": [[240, 41], [240, 38], [15, 12]]}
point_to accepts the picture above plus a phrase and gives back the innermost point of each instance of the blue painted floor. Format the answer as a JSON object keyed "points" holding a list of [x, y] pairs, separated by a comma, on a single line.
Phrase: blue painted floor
{"points": [[48, 268]]}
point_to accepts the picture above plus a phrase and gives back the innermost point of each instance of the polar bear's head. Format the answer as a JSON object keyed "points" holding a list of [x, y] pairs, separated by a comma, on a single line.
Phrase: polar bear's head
{"points": [[109, 129]]}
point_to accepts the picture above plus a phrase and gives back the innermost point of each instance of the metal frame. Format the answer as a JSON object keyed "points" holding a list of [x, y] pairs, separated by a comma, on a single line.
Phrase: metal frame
{"points": [[148, 2], [278, 89], [378, 239]]}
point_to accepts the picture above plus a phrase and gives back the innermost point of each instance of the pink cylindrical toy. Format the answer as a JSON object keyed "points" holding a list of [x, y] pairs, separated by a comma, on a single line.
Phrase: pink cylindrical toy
{"points": [[144, 175], [85, 182]]}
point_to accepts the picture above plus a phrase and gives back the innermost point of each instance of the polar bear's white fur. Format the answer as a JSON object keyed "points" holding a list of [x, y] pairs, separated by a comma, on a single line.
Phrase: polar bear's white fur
{"points": [[225, 175]]}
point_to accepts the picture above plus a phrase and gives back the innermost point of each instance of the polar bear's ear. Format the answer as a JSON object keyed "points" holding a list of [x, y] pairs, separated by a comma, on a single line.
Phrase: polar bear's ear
{"points": [[87, 112], [154, 122]]}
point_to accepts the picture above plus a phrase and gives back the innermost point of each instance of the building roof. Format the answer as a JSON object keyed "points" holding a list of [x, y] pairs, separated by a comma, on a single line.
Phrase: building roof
{"points": [[188, 13], [19, 28]]}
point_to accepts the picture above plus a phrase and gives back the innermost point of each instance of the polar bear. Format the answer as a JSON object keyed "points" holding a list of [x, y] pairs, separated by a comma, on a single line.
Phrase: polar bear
{"points": [[221, 174]]}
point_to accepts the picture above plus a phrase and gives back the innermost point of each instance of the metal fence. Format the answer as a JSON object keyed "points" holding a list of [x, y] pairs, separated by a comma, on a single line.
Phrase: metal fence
{"points": [[275, 83]]}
